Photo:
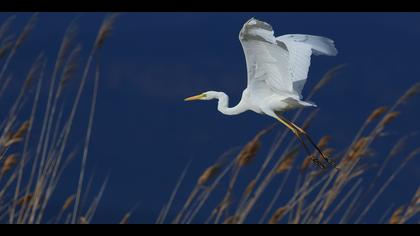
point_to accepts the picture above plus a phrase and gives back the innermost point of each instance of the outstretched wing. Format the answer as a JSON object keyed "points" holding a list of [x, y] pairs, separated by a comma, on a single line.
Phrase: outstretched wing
{"points": [[280, 63], [267, 61], [300, 49]]}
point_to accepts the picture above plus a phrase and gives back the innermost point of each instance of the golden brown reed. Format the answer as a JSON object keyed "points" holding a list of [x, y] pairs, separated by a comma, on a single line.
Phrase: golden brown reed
{"points": [[376, 113], [32, 185], [6, 46], [208, 174], [389, 118], [328, 152], [69, 201], [22, 130], [250, 188], [67, 43], [361, 143], [359, 149], [278, 215], [9, 163], [26, 30], [224, 205], [396, 216], [69, 69], [11, 142], [323, 142], [24, 200], [248, 153], [105, 30], [315, 193], [71, 65], [287, 162], [305, 164], [231, 220], [417, 196], [14, 138], [413, 208], [414, 90], [34, 71]]}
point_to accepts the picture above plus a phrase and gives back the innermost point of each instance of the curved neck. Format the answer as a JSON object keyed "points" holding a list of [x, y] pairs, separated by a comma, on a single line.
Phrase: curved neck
{"points": [[223, 104]]}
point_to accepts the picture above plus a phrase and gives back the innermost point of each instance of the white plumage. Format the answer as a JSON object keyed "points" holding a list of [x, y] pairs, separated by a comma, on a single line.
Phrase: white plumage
{"points": [[279, 66], [277, 71]]}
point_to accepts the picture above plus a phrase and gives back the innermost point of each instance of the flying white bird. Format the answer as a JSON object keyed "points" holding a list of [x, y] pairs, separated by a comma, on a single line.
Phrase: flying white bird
{"points": [[277, 71]]}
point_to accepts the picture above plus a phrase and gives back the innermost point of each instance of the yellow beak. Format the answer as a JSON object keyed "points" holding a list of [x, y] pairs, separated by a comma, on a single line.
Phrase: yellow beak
{"points": [[197, 97]]}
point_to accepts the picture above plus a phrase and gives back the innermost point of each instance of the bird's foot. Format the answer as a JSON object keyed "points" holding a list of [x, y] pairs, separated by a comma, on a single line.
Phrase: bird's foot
{"points": [[330, 161], [318, 163]]}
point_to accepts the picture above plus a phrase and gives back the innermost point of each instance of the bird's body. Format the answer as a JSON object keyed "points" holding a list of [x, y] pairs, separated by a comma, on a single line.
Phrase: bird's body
{"points": [[277, 71]]}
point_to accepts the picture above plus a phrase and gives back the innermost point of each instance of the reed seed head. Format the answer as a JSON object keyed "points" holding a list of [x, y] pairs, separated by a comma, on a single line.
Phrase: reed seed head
{"points": [[389, 118], [9, 163], [27, 30], [359, 149], [34, 71], [69, 201], [71, 65], [12, 141], [323, 142], [411, 92], [250, 150], [67, 42], [208, 174], [376, 113], [278, 215], [24, 200], [22, 130], [396, 216], [288, 160], [250, 188], [231, 220], [248, 153], [6, 46], [105, 30], [328, 152], [305, 164]]}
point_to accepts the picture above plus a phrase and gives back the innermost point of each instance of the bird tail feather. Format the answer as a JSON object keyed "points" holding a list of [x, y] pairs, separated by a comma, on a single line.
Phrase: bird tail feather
{"points": [[307, 104]]}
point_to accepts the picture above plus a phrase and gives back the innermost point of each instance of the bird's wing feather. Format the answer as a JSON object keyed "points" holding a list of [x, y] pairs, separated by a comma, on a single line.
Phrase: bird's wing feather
{"points": [[300, 49], [320, 45], [267, 61], [282, 63]]}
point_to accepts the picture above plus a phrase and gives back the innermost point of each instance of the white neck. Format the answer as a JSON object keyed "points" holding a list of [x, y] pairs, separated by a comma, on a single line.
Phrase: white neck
{"points": [[223, 104]]}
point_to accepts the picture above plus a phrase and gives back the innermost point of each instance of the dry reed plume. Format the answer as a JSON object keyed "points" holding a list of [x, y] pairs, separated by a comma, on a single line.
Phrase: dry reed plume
{"points": [[32, 163], [343, 195]]}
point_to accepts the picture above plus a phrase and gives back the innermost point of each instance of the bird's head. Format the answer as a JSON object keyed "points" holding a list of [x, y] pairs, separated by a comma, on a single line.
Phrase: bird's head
{"points": [[204, 96]]}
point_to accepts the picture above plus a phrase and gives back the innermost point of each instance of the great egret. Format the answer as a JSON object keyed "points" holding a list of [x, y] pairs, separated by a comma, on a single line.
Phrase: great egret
{"points": [[277, 71]]}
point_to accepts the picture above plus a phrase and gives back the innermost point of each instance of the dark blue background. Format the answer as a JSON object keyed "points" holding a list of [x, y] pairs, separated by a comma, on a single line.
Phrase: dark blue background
{"points": [[145, 134]]}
